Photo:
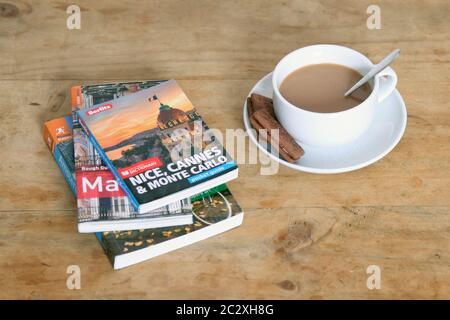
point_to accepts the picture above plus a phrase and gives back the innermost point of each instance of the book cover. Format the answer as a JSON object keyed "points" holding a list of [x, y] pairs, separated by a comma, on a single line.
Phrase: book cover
{"points": [[157, 146], [215, 211], [102, 204]]}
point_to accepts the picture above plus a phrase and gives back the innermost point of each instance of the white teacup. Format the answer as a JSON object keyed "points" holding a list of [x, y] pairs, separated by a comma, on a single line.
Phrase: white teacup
{"points": [[336, 128]]}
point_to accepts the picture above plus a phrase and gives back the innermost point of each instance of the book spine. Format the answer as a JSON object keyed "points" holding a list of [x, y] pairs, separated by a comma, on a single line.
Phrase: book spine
{"points": [[109, 164], [51, 139], [62, 164], [60, 160]]}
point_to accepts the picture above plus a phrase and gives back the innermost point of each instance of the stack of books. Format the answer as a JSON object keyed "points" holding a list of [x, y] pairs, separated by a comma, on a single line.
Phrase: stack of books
{"points": [[148, 174]]}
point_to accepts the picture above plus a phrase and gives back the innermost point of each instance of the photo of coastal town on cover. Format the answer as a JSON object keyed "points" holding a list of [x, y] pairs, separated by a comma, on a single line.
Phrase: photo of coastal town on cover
{"points": [[157, 129]]}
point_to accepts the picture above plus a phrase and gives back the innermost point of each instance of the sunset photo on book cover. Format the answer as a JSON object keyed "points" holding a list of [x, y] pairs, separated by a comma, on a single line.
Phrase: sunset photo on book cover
{"points": [[128, 132]]}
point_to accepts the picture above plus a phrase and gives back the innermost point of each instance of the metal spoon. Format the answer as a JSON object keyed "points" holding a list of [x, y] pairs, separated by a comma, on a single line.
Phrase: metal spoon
{"points": [[375, 69]]}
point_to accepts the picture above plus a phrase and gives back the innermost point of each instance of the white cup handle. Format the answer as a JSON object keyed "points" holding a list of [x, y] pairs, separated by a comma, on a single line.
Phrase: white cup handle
{"points": [[387, 81]]}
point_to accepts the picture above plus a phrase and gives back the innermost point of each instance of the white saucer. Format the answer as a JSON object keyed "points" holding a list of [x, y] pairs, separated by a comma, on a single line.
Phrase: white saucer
{"points": [[383, 135]]}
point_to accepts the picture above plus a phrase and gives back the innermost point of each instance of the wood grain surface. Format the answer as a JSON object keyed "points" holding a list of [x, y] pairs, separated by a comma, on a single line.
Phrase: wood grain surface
{"points": [[304, 235]]}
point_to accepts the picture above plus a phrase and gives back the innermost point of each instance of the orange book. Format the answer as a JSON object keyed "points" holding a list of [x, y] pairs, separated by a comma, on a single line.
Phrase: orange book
{"points": [[58, 136]]}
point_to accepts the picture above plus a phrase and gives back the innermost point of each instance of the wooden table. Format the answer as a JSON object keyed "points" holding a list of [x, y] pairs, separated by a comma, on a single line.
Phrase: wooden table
{"points": [[304, 235]]}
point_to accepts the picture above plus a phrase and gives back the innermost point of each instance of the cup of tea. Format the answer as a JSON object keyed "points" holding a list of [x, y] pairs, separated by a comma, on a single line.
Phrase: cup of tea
{"points": [[308, 94]]}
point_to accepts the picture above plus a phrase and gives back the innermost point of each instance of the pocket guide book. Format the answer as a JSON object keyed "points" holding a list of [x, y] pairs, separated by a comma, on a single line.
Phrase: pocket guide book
{"points": [[215, 211], [157, 146], [102, 204]]}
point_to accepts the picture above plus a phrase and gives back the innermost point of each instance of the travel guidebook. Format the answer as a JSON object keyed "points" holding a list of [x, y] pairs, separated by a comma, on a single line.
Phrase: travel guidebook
{"points": [[215, 211], [157, 146], [102, 204]]}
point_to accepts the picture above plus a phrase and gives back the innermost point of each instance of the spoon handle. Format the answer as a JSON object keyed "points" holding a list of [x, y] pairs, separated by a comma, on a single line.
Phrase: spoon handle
{"points": [[374, 70]]}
